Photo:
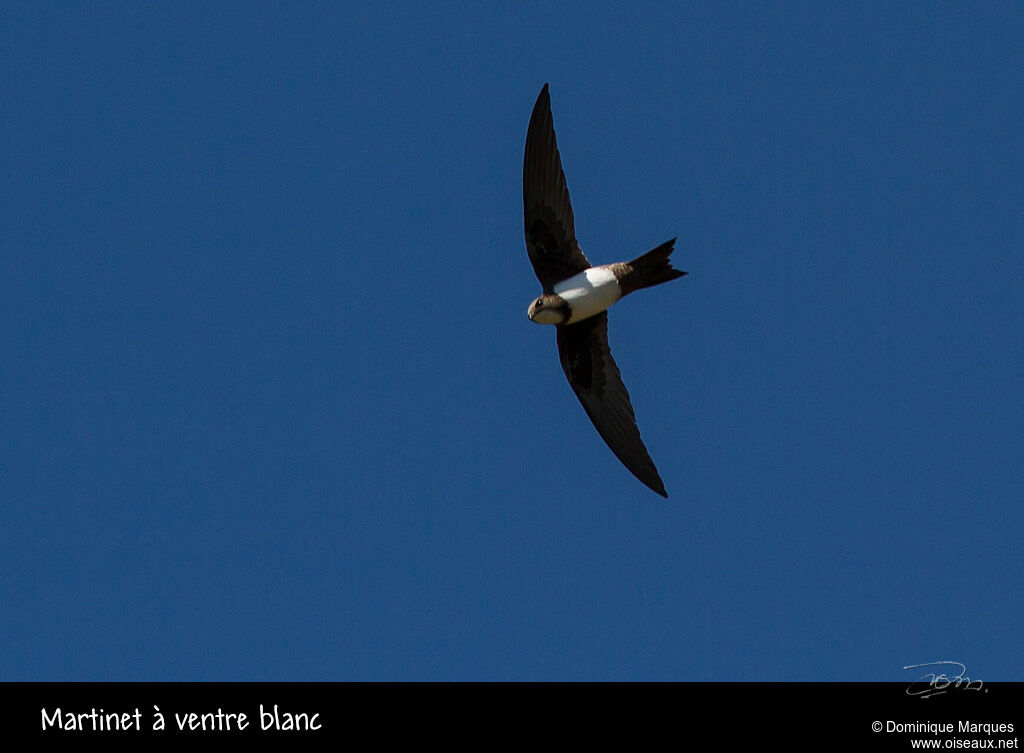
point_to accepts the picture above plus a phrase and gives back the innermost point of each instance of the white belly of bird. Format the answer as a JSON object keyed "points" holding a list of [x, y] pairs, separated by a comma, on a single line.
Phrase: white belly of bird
{"points": [[590, 292]]}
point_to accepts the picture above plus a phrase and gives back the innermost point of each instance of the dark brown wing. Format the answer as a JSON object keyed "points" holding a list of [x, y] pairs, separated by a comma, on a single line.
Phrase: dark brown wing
{"points": [[550, 233], [594, 377]]}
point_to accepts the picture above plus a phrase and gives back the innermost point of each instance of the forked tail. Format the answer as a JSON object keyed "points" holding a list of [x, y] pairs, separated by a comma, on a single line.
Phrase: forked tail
{"points": [[653, 268]]}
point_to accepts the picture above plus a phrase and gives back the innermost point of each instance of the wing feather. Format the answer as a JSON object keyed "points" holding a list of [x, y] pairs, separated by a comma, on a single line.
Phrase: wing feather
{"points": [[594, 377], [548, 219]]}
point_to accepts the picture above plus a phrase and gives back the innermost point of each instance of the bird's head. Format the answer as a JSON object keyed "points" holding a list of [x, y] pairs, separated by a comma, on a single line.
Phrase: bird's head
{"points": [[549, 309]]}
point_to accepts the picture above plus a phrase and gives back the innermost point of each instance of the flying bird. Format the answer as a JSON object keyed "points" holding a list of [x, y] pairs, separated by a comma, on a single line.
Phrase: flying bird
{"points": [[576, 296]]}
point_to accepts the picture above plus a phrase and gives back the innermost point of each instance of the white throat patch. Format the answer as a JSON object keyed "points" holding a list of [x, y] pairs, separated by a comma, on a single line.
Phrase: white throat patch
{"points": [[548, 316]]}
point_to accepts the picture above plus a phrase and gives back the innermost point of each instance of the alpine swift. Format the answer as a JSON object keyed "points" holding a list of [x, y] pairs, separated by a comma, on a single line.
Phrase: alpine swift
{"points": [[576, 296]]}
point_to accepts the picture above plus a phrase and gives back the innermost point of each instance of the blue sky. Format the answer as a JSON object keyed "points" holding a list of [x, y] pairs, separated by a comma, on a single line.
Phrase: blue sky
{"points": [[271, 408]]}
